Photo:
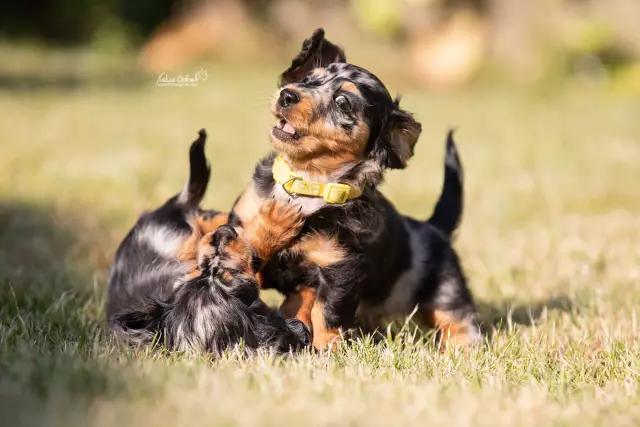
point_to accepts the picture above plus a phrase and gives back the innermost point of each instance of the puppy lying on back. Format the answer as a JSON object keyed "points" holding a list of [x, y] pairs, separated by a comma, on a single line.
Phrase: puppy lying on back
{"points": [[182, 277], [160, 248], [216, 309]]}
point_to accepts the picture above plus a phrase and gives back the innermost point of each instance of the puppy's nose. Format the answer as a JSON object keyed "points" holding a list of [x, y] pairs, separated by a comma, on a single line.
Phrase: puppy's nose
{"points": [[288, 98]]}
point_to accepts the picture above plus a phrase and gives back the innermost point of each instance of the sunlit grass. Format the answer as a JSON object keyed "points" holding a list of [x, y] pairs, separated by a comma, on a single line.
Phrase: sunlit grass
{"points": [[549, 241]]}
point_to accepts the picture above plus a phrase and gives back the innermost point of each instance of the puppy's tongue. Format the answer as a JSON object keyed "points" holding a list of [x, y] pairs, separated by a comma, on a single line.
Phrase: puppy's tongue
{"points": [[288, 129]]}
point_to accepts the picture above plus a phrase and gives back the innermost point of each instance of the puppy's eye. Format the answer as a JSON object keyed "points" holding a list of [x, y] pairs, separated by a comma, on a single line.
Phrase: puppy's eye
{"points": [[343, 103]]}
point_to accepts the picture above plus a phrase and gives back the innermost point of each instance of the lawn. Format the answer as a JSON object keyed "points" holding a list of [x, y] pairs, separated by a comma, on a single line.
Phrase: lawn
{"points": [[550, 241]]}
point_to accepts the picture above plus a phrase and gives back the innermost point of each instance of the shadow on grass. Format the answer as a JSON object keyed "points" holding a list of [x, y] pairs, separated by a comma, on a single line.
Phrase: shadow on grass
{"points": [[501, 316], [52, 342]]}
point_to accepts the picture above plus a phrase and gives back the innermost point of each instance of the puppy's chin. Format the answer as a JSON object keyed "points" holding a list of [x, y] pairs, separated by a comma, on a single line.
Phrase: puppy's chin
{"points": [[293, 148]]}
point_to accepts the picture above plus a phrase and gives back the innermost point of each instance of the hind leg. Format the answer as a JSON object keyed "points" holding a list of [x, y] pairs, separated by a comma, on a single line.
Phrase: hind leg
{"points": [[457, 327], [449, 308], [452, 313]]}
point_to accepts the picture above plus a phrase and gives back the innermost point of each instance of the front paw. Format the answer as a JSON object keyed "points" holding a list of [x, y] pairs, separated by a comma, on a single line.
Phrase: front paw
{"points": [[282, 220], [275, 225], [206, 251]]}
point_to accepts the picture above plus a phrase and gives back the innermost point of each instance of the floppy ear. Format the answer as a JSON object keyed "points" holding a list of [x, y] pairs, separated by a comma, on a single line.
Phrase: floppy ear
{"points": [[316, 52], [397, 140]]}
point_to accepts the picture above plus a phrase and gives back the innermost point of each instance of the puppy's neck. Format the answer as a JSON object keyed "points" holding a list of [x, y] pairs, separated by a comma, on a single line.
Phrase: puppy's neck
{"points": [[341, 168], [361, 174], [321, 168]]}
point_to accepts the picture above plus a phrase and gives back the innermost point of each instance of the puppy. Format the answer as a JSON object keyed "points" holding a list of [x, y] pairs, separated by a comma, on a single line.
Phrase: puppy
{"points": [[215, 310], [163, 265], [357, 260], [160, 248]]}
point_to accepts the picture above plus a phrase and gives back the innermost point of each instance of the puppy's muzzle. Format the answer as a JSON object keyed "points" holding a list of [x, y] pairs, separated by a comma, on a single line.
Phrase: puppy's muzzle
{"points": [[288, 98]]}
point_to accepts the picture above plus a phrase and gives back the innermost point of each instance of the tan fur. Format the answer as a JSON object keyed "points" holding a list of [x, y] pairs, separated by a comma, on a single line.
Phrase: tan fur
{"points": [[273, 227], [208, 225], [319, 249], [205, 250], [200, 228], [452, 329], [321, 149], [238, 256], [350, 87], [323, 337], [248, 204], [299, 305]]}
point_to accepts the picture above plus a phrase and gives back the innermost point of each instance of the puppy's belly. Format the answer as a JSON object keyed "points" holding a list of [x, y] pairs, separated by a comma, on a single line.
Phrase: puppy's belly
{"points": [[401, 302]]}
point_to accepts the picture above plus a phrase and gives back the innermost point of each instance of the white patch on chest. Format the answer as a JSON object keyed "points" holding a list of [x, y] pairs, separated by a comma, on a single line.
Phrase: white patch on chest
{"points": [[308, 204]]}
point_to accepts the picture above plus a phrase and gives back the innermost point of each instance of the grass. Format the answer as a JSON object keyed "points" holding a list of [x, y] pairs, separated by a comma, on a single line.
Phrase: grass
{"points": [[549, 241]]}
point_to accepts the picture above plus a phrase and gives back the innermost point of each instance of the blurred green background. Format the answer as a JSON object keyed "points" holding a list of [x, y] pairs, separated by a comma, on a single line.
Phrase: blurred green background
{"points": [[438, 44]]}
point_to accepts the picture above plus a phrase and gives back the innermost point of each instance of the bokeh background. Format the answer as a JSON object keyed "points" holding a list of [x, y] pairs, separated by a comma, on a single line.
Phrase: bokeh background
{"points": [[438, 44], [545, 96]]}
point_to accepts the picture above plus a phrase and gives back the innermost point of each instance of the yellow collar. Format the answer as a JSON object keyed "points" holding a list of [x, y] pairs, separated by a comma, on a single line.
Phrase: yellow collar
{"points": [[294, 183]]}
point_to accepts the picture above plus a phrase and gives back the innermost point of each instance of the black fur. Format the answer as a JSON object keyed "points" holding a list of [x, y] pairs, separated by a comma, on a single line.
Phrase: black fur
{"points": [[448, 211], [392, 263], [378, 242], [150, 300], [315, 51], [211, 313], [146, 262]]}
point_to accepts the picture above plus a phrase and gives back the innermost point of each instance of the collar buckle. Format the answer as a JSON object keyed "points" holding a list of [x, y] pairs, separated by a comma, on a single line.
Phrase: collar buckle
{"points": [[336, 193], [288, 186]]}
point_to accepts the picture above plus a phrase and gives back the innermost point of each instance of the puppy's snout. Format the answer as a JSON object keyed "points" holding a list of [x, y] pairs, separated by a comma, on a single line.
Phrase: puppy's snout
{"points": [[288, 98]]}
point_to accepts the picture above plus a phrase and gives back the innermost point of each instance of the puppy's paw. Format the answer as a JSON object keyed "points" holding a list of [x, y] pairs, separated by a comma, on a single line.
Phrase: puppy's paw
{"points": [[274, 227], [206, 251], [282, 218]]}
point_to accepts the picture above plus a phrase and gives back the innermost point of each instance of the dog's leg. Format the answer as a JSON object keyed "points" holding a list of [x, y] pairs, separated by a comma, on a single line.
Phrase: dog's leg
{"points": [[450, 309], [335, 301], [209, 221], [273, 227], [299, 305], [205, 222], [333, 312], [453, 326]]}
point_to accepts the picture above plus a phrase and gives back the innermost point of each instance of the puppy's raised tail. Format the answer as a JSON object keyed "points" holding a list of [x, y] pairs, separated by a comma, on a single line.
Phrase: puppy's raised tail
{"points": [[448, 211], [199, 173]]}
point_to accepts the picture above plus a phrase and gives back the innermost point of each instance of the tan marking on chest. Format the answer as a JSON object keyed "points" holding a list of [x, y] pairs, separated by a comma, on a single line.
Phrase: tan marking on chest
{"points": [[320, 249]]}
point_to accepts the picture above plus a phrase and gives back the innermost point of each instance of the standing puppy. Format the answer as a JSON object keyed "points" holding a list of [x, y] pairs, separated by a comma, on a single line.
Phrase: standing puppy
{"points": [[357, 260]]}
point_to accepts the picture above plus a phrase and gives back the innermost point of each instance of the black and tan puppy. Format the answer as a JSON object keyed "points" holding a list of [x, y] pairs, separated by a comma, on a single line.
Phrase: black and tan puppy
{"points": [[160, 248], [173, 277], [357, 260], [216, 309]]}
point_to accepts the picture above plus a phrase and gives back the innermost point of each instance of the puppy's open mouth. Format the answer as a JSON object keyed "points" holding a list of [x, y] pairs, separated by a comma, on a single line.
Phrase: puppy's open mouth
{"points": [[284, 131]]}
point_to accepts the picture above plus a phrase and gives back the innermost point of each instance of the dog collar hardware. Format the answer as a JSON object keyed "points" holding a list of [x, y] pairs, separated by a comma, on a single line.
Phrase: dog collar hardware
{"points": [[294, 184]]}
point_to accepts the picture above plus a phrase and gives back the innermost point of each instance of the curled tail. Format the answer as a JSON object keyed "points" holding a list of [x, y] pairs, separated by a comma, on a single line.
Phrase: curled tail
{"points": [[199, 173], [448, 211]]}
